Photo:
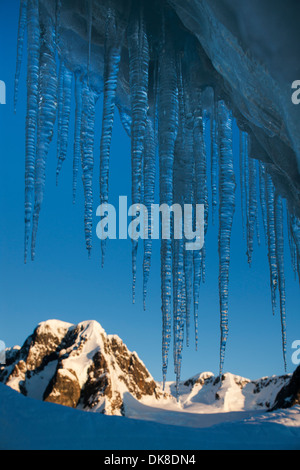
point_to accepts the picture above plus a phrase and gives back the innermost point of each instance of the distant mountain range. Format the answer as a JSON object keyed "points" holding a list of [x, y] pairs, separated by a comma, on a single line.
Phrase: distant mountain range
{"points": [[82, 367]]}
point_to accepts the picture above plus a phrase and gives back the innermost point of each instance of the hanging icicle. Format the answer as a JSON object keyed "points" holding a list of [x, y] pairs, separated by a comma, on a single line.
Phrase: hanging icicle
{"points": [[167, 130], [252, 208], [263, 204], [21, 34], [138, 77], [89, 99], [64, 110], [200, 198], [214, 160], [33, 46], [46, 117], [226, 213], [149, 188], [77, 135], [270, 197], [112, 56], [280, 265]]}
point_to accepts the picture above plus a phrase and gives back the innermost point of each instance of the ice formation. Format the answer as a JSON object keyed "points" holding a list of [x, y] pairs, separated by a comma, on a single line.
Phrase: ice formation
{"points": [[176, 73]]}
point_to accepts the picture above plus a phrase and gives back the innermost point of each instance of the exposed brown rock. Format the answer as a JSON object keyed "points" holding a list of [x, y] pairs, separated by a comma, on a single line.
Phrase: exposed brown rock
{"points": [[64, 389]]}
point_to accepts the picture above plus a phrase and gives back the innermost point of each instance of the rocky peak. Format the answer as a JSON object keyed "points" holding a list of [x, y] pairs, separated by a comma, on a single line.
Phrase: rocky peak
{"points": [[79, 366]]}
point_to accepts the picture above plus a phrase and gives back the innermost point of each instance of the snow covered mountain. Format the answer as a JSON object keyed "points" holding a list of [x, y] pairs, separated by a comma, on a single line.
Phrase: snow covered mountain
{"points": [[80, 366]]}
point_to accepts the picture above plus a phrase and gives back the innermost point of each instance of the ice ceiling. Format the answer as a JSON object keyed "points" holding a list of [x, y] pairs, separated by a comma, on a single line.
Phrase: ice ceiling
{"points": [[175, 70]]}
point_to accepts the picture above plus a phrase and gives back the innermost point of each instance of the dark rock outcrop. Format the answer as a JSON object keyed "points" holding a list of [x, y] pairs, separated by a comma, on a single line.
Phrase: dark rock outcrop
{"points": [[289, 395]]}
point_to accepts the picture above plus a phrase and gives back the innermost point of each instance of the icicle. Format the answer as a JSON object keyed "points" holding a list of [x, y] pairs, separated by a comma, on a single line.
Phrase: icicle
{"points": [[214, 160], [197, 255], [89, 99], [149, 187], [292, 246], [179, 307], [295, 225], [20, 47], [60, 98], [64, 109], [126, 121], [33, 33], [262, 189], [201, 197], [248, 226], [186, 175], [226, 213], [252, 208], [271, 239], [168, 122], [256, 195], [46, 117], [242, 179], [112, 56], [281, 276], [77, 136], [205, 196], [182, 267], [138, 77], [295, 228]]}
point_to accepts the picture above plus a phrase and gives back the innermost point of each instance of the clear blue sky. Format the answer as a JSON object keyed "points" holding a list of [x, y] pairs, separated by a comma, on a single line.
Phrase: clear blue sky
{"points": [[63, 283]]}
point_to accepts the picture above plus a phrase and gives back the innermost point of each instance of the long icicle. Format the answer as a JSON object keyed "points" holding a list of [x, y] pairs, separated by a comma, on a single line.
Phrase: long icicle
{"points": [[281, 276], [214, 160], [20, 47], [149, 187], [33, 33], [270, 194], [242, 180], [200, 198], [168, 123], [112, 57], [77, 132], [187, 194], [292, 245], [226, 212], [138, 77], [263, 204], [295, 228], [89, 99], [46, 117], [252, 208], [182, 261], [65, 94]]}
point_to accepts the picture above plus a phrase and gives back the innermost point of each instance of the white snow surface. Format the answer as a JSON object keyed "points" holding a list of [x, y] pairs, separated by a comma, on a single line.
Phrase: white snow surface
{"points": [[210, 414], [27, 424]]}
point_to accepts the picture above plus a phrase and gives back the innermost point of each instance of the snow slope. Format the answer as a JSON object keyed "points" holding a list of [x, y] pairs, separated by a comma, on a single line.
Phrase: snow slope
{"points": [[26, 423], [82, 367]]}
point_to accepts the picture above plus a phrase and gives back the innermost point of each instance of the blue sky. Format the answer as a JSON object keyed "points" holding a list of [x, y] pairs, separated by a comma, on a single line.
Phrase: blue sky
{"points": [[63, 283]]}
